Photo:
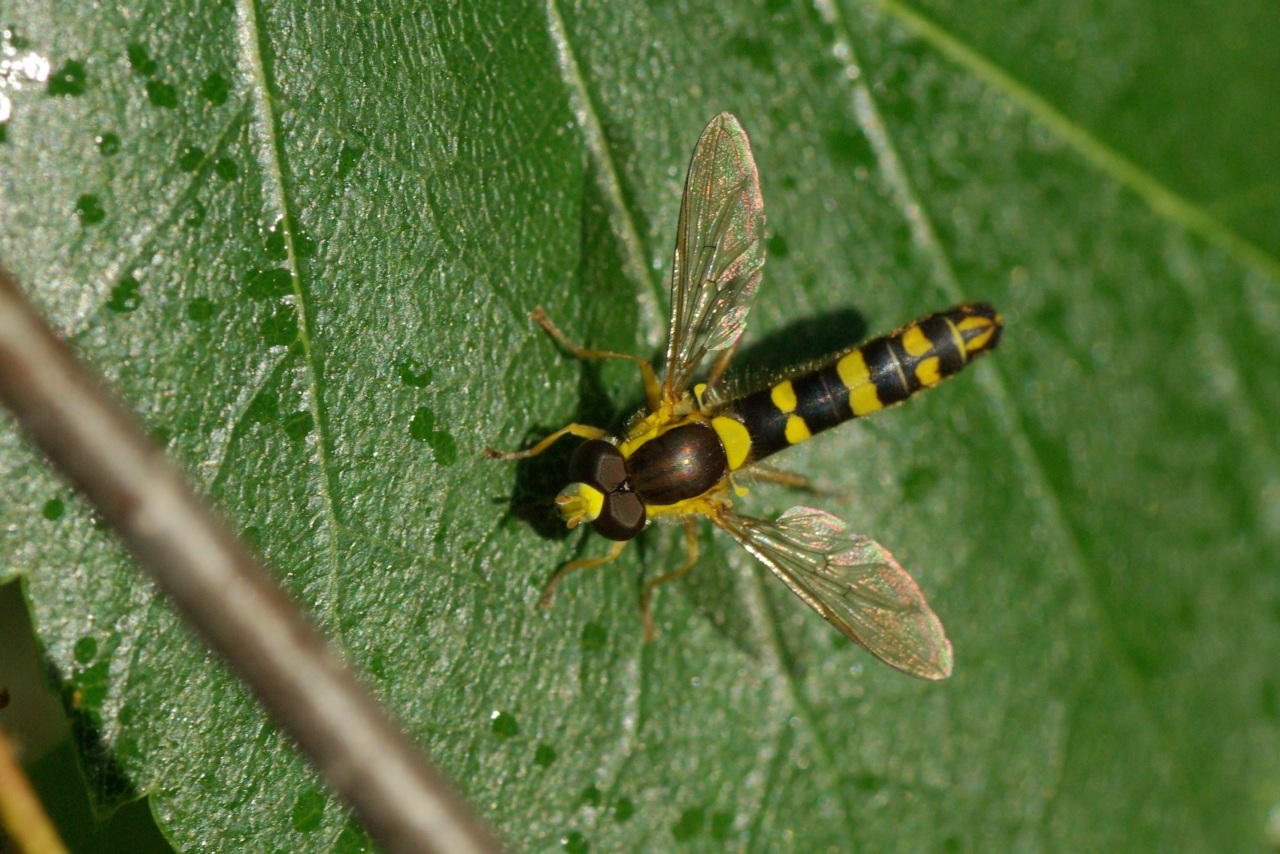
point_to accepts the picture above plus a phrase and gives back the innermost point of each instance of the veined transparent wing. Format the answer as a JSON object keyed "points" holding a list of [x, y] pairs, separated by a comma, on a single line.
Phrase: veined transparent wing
{"points": [[852, 582], [719, 251]]}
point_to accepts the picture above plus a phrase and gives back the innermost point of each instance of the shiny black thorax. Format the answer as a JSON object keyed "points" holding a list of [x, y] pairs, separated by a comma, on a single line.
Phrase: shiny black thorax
{"points": [[682, 463]]}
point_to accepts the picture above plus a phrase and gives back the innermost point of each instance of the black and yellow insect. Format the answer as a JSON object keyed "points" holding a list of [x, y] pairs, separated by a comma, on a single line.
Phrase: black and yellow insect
{"points": [[687, 455]]}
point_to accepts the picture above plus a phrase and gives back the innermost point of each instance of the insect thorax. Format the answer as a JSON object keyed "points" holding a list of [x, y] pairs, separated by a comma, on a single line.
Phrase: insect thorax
{"points": [[677, 464]]}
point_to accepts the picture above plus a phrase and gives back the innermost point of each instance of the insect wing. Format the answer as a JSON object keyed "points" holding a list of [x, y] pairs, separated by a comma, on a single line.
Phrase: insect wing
{"points": [[852, 582], [719, 251]]}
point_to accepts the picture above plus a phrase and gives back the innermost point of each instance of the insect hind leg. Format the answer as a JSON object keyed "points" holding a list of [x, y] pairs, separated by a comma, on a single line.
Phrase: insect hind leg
{"points": [[691, 549], [771, 474]]}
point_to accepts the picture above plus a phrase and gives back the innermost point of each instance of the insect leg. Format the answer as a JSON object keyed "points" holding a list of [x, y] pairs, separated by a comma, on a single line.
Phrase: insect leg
{"points": [[584, 431], [691, 548], [769, 474], [652, 391], [614, 551], [721, 364]]}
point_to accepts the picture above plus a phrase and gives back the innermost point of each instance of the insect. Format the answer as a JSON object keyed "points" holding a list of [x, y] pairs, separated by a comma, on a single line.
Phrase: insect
{"points": [[687, 456]]}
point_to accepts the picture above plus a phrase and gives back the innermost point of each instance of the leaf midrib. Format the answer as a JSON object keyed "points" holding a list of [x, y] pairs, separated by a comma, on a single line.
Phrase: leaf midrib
{"points": [[1165, 202], [994, 379], [272, 161]]}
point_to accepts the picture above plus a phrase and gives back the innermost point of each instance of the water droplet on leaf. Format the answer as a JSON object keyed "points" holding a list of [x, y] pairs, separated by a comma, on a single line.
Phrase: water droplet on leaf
{"points": [[162, 94], [124, 296], [140, 60], [215, 89], [108, 144], [504, 724], [90, 210], [69, 80], [191, 158], [53, 509]]}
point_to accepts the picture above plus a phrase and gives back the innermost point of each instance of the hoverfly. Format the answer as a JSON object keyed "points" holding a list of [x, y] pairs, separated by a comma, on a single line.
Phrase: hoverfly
{"points": [[685, 457]]}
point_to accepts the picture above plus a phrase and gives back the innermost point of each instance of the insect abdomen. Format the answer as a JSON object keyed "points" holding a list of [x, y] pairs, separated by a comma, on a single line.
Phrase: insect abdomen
{"points": [[880, 373]]}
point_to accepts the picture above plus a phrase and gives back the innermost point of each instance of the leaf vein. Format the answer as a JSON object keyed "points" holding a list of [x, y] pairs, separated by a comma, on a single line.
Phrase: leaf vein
{"points": [[273, 164], [997, 389], [1124, 171], [649, 291]]}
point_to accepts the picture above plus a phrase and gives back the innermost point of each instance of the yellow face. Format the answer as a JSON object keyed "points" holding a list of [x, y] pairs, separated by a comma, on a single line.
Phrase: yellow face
{"points": [[579, 502]]}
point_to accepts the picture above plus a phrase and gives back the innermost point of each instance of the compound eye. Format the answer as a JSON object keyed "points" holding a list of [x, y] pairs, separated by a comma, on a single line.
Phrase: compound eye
{"points": [[622, 516], [598, 464]]}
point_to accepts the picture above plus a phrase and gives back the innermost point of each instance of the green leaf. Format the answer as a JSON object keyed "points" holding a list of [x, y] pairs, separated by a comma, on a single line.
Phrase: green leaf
{"points": [[302, 241]]}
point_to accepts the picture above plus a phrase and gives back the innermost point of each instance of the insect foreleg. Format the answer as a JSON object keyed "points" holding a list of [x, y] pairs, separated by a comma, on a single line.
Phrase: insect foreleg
{"points": [[584, 431]]}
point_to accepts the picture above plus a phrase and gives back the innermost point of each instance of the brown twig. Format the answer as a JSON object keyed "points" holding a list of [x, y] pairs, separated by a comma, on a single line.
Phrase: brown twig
{"points": [[404, 803]]}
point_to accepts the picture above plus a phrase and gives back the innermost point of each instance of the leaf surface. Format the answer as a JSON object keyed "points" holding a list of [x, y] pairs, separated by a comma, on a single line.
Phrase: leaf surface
{"points": [[302, 240]]}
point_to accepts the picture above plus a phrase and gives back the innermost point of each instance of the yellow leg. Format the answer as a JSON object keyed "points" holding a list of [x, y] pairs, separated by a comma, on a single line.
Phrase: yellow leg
{"points": [[582, 430], [691, 547], [652, 391], [769, 474], [616, 550], [721, 364]]}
